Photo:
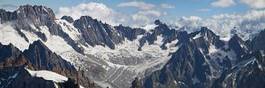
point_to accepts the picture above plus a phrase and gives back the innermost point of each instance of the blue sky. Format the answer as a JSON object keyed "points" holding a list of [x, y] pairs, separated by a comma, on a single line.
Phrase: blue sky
{"points": [[159, 9], [181, 7]]}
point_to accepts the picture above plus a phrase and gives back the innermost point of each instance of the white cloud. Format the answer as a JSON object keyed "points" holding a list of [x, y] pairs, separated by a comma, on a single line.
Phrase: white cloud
{"points": [[167, 6], [9, 7], [221, 24], [137, 4], [96, 10], [223, 3], [256, 4], [203, 10], [143, 18], [106, 14], [246, 24], [193, 21]]}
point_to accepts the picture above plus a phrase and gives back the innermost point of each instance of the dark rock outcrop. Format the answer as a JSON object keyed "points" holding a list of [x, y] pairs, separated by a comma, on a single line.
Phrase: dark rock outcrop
{"points": [[187, 68], [161, 29], [129, 33], [238, 46], [68, 19], [39, 57], [97, 33], [44, 59], [10, 56], [247, 74], [136, 83], [18, 77], [258, 42], [191, 66], [27, 16]]}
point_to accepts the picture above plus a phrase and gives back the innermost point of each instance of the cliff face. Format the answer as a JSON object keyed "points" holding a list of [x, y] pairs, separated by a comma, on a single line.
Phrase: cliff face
{"points": [[18, 77], [114, 55], [36, 57], [97, 33], [201, 62]]}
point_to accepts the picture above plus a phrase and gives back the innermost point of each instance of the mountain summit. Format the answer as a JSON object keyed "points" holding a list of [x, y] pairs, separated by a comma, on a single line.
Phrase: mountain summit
{"points": [[39, 50]]}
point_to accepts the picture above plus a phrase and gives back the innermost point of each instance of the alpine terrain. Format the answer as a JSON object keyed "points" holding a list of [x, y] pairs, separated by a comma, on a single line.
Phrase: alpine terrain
{"points": [[40, 50]]}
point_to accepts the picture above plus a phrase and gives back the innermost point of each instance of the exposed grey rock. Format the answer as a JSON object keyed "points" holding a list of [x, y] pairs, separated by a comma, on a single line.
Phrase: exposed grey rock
{"points": [[206, 39], [39, 57], [258, 42], [97, 33], [18, 77], [238, 46], [129, 33], [27, 16], [68, 18], [187, 68], [162, 29], [248, 74]]}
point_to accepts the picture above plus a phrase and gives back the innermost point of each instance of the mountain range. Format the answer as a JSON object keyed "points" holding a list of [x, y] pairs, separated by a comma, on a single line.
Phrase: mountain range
{"points": [[38, 50]]}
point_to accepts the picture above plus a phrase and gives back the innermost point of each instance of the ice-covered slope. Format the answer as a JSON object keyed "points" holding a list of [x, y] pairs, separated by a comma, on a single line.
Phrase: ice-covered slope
{"points": [[117, 67], [9, 35], [48, 75], [112, 55]]}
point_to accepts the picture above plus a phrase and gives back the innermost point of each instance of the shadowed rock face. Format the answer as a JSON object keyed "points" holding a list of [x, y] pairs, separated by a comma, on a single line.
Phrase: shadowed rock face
{"points": [[93, 32], [249, 76], [44, 59], [186, 65], [7, 16], [129, 33], [37, 57], [18, 77], [68, 18], [27, 16], [161, 29], [11, 56], [97, 33], [191, 66], [258, 42], [207, 38], [238, 46]]}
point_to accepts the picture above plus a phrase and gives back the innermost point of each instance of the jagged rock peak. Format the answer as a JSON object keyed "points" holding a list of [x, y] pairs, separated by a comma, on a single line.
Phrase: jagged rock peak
{"points": [[8, 50], [204, 31], [158, 22], [38, 45], [183, 37], [6, 16], [38, 15], [236, 38], [30, 10], [68, 18], [257, 43], [86, 18]]}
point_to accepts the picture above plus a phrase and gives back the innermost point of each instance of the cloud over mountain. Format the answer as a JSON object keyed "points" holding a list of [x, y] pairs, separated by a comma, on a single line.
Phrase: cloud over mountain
{"points": [[222, 23], [143, 16], [223, 3], [97, 10], [257, 4], [247, 23]]}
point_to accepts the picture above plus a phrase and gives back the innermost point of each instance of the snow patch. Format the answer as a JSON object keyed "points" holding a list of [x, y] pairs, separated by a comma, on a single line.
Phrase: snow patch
{"points": [[212, 49], [9, 35], [149, 27], [48, 75], [197, 36], [69, 29]]}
